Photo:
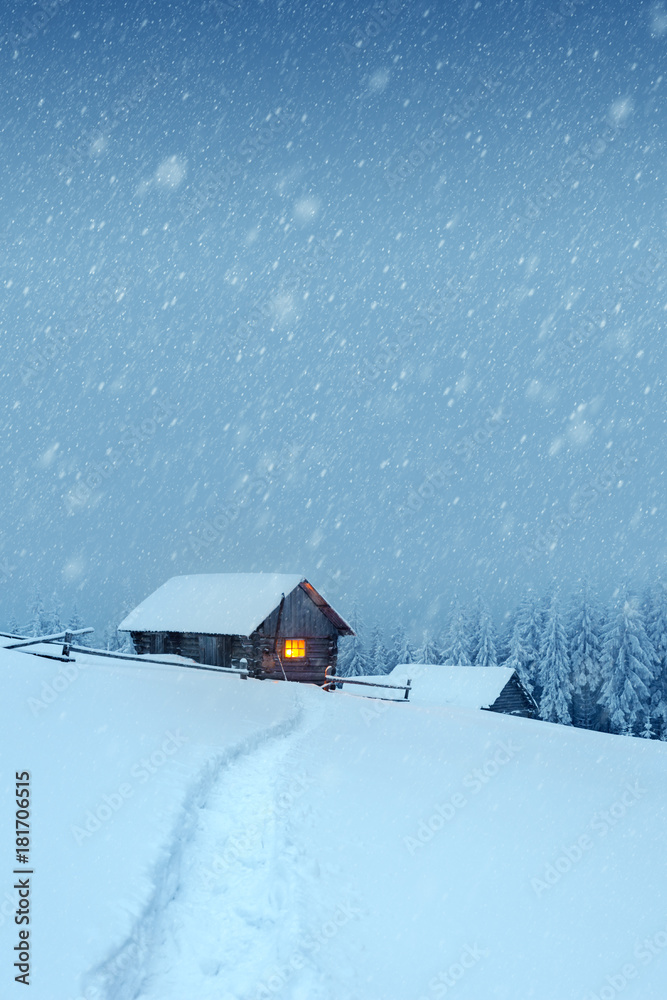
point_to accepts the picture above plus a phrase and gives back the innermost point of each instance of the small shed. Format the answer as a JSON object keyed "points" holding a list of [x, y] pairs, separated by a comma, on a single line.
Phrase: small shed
{"points": [[277, 622], [495, 689]]}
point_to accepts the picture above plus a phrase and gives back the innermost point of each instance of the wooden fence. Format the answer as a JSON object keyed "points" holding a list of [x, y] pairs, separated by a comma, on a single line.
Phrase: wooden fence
{"points": [[333, 681]]}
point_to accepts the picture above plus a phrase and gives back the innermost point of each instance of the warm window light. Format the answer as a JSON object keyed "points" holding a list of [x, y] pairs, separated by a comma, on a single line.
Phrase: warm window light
{"points": [[294, 648]]}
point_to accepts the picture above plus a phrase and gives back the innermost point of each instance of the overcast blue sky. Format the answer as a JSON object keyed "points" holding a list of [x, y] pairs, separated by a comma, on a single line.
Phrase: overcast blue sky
{"points": [[372, 292]]}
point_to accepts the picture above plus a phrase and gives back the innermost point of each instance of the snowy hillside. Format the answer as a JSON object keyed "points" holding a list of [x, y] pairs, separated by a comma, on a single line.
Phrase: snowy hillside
{"points": [[197, 835]]}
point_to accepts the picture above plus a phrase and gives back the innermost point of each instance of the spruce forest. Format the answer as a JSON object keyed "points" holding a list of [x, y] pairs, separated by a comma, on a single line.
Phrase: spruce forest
{"points": [[586, 664]]}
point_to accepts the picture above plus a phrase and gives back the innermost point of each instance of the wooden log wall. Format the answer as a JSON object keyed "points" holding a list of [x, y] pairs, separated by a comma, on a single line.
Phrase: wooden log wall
{"points": [[513, 700]]}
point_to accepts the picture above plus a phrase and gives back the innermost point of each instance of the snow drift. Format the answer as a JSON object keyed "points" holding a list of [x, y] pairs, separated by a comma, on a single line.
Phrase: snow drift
{"points": [[196, 835]]}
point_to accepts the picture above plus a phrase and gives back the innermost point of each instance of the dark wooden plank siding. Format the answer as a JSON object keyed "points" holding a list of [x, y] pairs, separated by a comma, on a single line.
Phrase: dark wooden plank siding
{"points": [[513, 700], [300, 619], [320, 653], [201, 649], [141, 642], [224, 653], [208, 649], [183, 644]]}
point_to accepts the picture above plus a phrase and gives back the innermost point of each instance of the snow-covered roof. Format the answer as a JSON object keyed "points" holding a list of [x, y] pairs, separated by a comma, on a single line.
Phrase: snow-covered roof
{"points": [[211, 603], [433, 684]]}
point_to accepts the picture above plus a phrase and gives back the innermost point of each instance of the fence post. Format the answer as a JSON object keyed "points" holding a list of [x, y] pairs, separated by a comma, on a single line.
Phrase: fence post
{"points": [[407, 690], [67, 643]]}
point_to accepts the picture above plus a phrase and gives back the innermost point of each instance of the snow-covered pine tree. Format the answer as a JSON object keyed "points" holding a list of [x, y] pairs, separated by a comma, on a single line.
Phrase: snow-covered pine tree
{"points": [[54, 621], [76, 622], [38, 620], [353, 658], [395, 647], [354, 661], [13, 626], [486, 654], [646, 602], [629, 668], [378, 657], [410, 653], [525, 644], [429, 652], [585, 643], [517, 659], [456, 648], [647, 730], [656, 627], [543, 608], [554, 669], [402, 650], [114, 640], [474, 614], [505, 634]]}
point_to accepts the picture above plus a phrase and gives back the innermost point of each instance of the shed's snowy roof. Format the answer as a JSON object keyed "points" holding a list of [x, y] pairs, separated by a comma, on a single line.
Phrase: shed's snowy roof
{"points": [[432, 684], [211, 603]]}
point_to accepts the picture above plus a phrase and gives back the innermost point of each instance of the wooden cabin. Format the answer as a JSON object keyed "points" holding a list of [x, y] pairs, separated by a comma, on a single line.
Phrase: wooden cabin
{"points": [[277, 622]]}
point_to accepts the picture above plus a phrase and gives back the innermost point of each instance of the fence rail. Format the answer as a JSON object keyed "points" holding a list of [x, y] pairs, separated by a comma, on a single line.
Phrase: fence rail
{"points": [[332, 680], [68, 647], [137, 658], [55, 637]]}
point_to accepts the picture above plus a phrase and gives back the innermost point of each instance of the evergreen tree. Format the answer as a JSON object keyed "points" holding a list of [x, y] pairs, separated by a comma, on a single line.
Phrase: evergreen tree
{"points": [[457, 638], [647, 603], [395, 646], [543, 609], [13, 626], [656, 627], [629, 668], [429, 652], [114, 640], [402, 650], [474, 614], [353, 660], [647, 732], [485, 641], [53, 621], [378, 659], [517, 659], [38, 621], [525, 644], [410, 654], [554, 670], [585, 643], [505, 635], [76, 622]]}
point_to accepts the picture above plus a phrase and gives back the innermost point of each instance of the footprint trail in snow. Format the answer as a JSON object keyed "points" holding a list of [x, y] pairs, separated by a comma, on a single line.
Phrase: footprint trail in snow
{"points": [[225, 913]]}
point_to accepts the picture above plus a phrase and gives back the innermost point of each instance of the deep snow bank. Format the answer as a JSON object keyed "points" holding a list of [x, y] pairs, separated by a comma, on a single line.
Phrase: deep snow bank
{"points": [[200, 836]]}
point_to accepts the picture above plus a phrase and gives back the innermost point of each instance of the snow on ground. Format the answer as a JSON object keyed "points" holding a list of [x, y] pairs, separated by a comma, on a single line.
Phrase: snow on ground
{"points": [[197, 835]]}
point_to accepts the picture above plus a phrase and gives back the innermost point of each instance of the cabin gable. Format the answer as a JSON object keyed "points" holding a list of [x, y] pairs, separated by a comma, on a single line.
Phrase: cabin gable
{"points": [[514, 700], [300, 618], [297, 618]]}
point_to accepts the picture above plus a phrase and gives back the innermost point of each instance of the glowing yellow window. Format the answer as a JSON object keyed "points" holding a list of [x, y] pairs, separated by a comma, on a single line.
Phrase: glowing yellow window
{"points": [[294, 648]]}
